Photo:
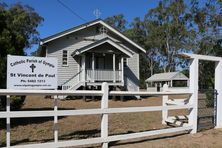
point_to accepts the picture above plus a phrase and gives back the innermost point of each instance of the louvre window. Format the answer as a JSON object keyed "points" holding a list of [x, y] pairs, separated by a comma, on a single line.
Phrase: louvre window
{"points": [[125, 62], [64, 57]]}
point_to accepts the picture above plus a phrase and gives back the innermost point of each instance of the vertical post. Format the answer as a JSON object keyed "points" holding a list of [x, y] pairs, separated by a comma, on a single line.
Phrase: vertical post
{"points": [[8, 121], [194, 97], [83, 68], [122, 68], [55, 119], [104, 120], [119, 73], [93, 67], [84, 72], [164, 101], [114, 67], [218, 87]]}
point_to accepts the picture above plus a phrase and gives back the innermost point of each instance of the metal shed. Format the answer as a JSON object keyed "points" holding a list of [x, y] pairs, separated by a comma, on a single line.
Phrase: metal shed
{"points": [[169, 78]]}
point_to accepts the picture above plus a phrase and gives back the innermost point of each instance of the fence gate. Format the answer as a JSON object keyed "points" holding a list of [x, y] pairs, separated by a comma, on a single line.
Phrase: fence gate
{"points": [[207, 109]]}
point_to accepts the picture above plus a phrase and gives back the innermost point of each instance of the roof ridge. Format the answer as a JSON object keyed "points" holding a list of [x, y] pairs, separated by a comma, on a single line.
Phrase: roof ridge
{"points": [[91, 23], [69, 29]]}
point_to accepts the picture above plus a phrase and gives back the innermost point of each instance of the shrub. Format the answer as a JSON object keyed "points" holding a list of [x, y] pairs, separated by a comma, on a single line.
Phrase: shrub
{"points": [[16, 102]]}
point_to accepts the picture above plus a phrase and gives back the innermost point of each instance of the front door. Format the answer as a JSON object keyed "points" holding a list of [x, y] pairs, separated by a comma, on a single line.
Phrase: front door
{"points": [[100, 63]]}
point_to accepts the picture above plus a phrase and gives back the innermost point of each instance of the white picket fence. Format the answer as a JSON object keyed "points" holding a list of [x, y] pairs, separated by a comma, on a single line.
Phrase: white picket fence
{"points": [[104, 111]]}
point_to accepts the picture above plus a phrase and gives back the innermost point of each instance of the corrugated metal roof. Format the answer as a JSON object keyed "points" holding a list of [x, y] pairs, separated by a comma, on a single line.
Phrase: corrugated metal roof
{"points": [[97, 21], [102, 41], [167, 77]]}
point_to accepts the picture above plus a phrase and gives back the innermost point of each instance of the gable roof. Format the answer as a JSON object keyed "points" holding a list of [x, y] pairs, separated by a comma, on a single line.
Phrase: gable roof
{"points": [[100, 42], [83, 26], [167, 77]]}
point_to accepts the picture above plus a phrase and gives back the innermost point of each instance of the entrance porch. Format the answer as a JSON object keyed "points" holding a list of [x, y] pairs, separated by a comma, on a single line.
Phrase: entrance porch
{"points": [[102, 61], [102, 67]]}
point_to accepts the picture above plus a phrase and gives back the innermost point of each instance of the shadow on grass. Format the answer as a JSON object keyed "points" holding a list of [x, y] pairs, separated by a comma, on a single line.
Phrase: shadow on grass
{"points": [[80, 134], [31, 120], [76, 135], [145, 139]]}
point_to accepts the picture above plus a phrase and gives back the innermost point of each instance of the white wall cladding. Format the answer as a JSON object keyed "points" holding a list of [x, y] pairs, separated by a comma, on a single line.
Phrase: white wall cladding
{"points": [[132, 73], [80, 39], [55, 50], [69, 43]]}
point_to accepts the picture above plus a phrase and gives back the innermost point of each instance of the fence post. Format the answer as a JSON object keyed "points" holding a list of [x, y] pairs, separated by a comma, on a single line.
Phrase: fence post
{"points": [[164, 101], [104, 120], [55, 119], [8, 121], [194, 97], [218, 87]]}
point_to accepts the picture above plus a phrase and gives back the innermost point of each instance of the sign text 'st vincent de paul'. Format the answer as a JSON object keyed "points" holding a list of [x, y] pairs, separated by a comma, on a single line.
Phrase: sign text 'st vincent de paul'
{"points": [[24, 72]]}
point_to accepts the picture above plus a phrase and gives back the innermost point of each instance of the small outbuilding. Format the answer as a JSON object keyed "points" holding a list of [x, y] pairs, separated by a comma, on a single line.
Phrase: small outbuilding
{"points": [[173, 79]]}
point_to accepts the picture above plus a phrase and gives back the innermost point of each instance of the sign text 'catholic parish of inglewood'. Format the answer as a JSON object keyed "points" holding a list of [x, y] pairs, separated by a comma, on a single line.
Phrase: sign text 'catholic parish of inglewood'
{"points": [[26, 72]]}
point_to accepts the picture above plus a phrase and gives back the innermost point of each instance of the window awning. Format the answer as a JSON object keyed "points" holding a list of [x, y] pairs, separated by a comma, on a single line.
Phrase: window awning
{"points": [[103, 41]]}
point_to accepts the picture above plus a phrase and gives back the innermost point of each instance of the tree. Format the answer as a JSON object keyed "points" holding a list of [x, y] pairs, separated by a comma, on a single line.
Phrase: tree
{"points": [[117, 21], [208, 20], [168, 32], [18, 31], [138, 33]]}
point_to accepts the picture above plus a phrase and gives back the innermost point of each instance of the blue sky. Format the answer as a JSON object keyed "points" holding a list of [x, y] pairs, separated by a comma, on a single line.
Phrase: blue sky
{"points": [[57, 18]]}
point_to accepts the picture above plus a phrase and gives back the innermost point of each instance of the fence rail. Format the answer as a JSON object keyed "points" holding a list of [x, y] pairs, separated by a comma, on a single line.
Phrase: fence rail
{"points": [[104, 111]]}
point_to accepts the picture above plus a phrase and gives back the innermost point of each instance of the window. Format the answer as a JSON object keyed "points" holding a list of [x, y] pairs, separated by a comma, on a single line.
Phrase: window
{"points": [[125, 62], [65, 57]]}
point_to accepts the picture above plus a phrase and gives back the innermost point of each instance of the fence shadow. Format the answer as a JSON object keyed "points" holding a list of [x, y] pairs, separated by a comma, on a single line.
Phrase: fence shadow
{"points": [[80, 134], [72, 135], [84, 134], [32, 120], [146, 139]]}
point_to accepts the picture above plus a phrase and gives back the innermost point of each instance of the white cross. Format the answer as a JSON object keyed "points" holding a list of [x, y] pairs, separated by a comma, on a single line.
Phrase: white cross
{"points": [[97, 13]]}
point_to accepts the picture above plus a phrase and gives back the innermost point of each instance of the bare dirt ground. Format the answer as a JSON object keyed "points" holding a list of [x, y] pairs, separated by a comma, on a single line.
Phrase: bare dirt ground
{"points": [[37, 130]]}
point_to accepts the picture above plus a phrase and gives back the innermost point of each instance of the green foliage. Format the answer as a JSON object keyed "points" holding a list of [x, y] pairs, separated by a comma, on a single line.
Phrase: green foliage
{"points": [[208, 19], [16, 102], [173, 27], [210, 98], [168, 32], [17, 31], [117, 21]]}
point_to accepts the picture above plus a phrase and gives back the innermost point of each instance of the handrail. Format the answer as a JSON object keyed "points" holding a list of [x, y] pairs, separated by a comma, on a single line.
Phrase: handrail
{"points": [[72, 77]]}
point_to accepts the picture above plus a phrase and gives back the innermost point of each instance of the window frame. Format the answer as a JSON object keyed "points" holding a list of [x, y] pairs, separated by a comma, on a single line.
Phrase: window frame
{"points": [[125, 62], [67, 58]]}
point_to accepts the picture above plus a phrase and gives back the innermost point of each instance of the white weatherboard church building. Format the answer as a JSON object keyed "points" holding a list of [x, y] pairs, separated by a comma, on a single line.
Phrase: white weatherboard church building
{"points": [[93, 53]]}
